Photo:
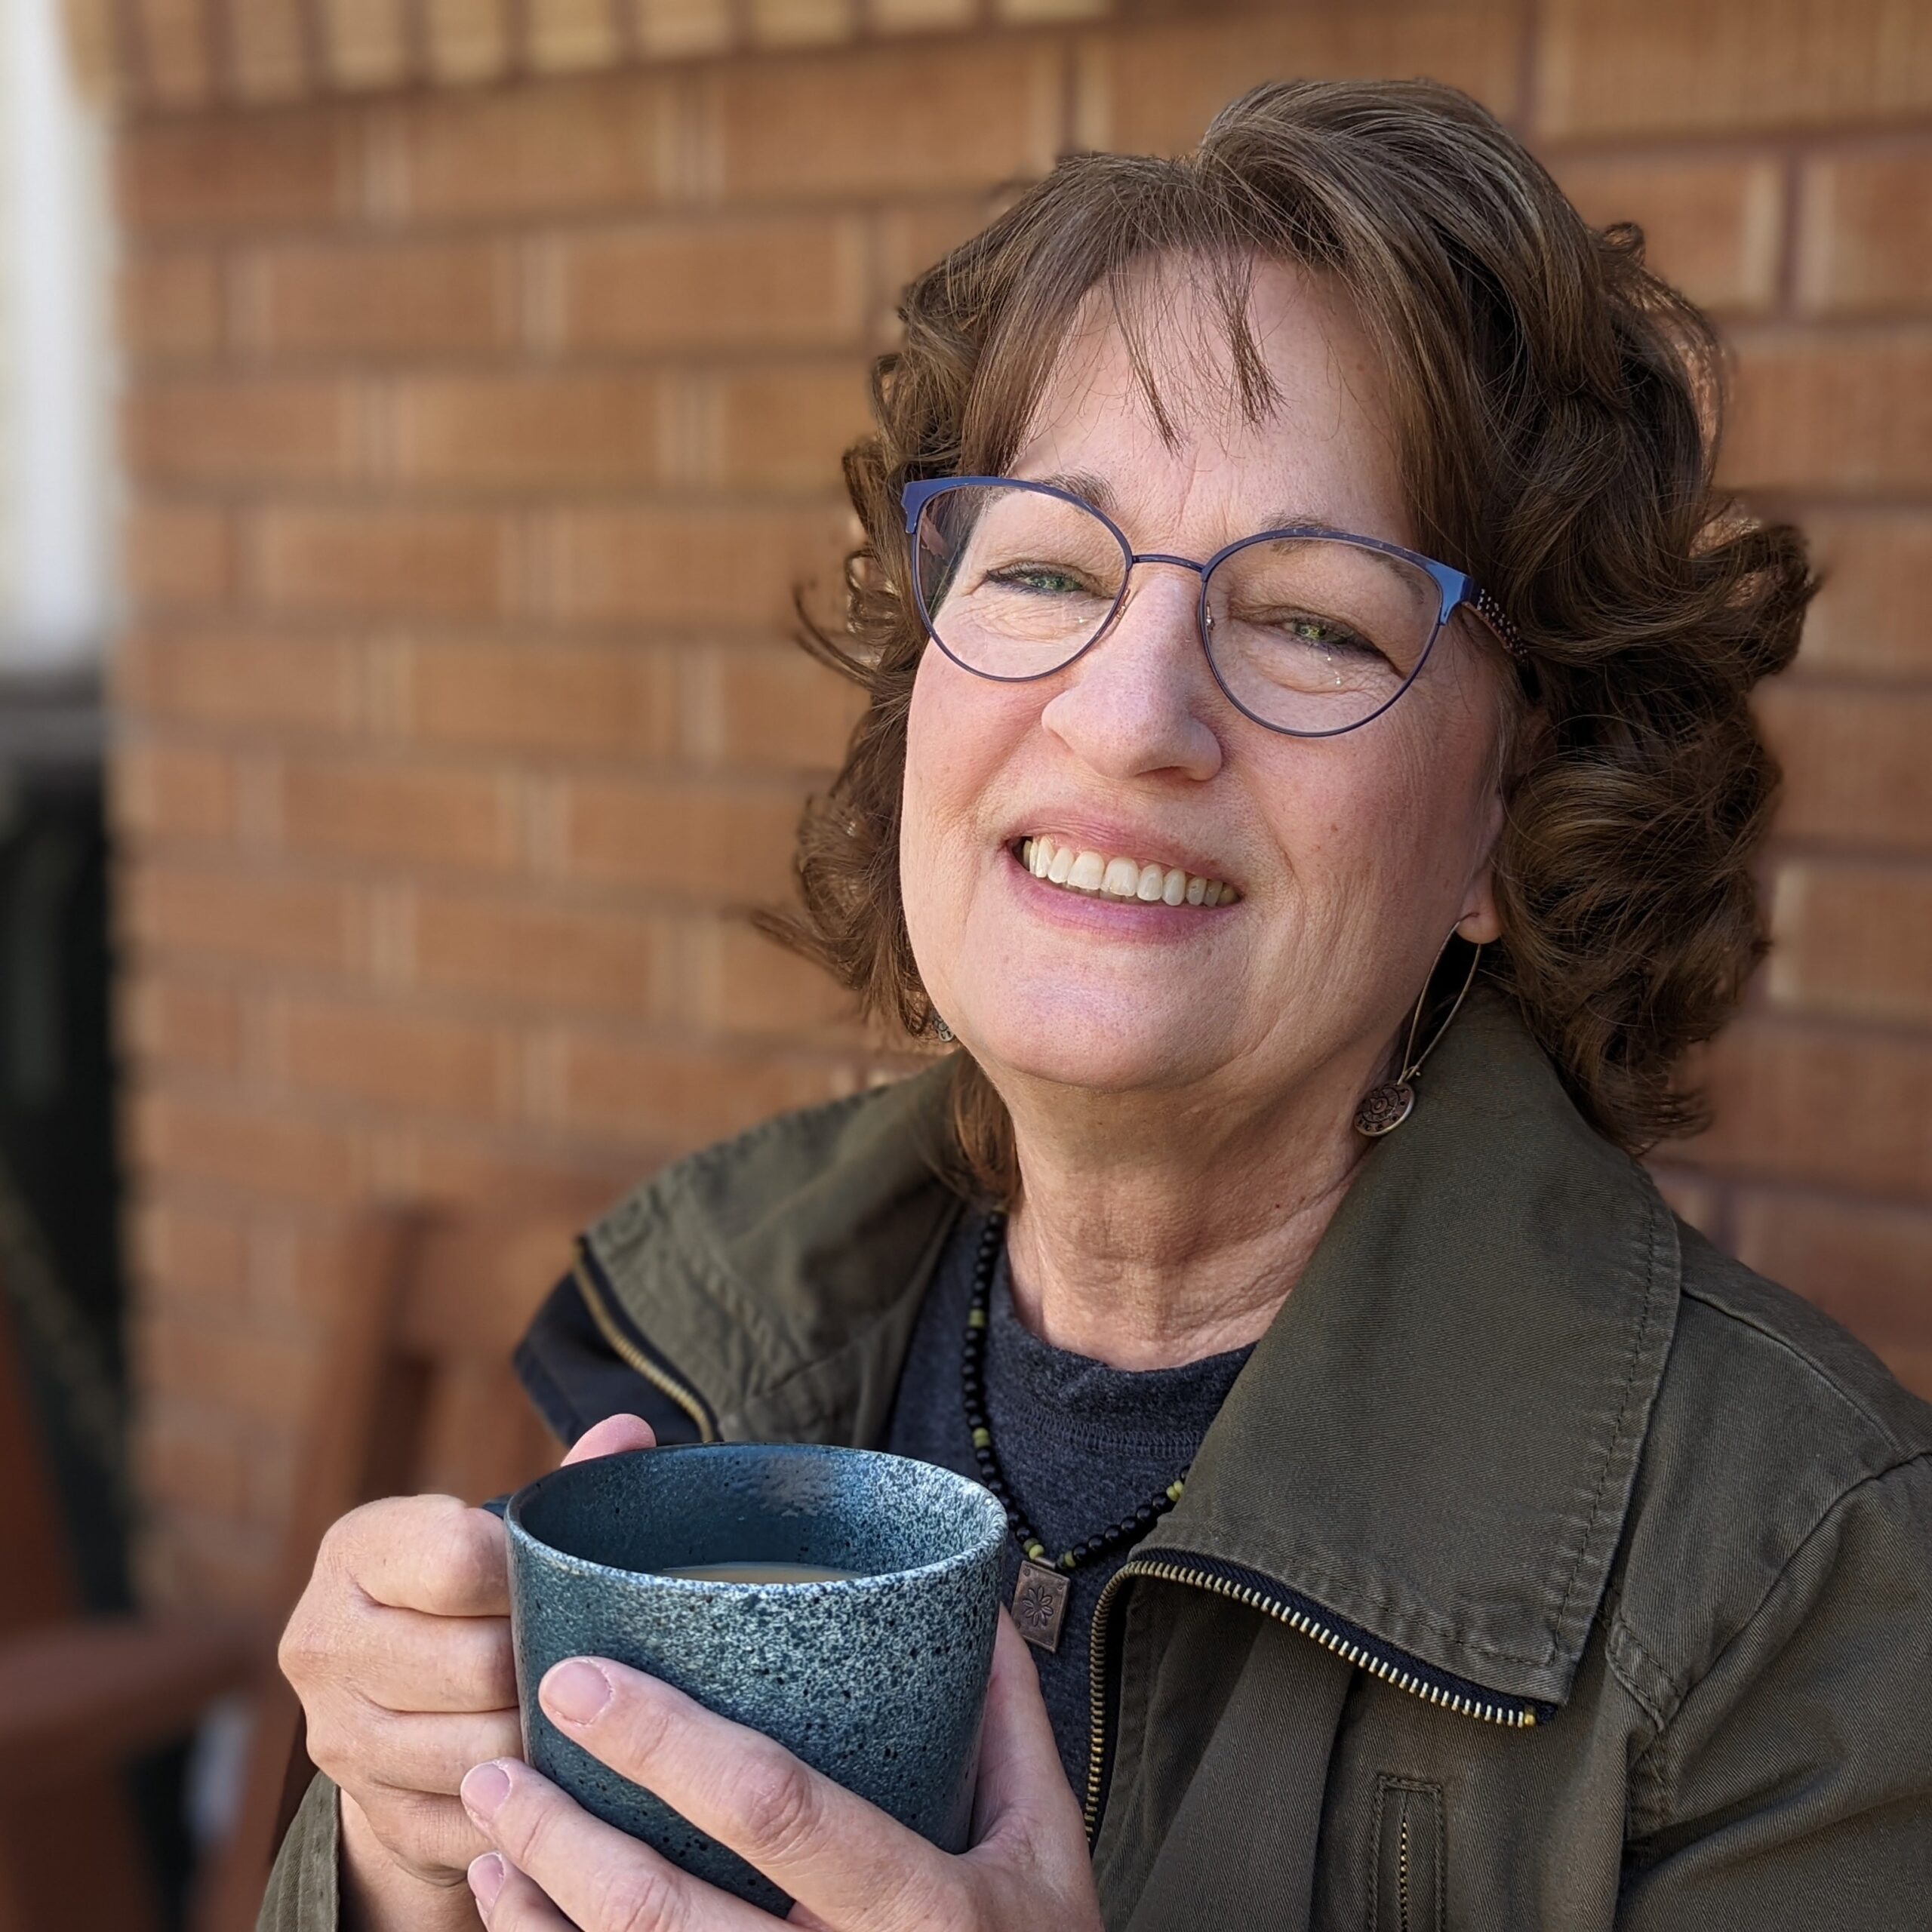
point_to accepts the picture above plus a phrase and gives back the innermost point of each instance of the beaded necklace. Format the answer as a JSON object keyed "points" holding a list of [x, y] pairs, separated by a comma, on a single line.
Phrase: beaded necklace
{"points": [[1040, 1595]]}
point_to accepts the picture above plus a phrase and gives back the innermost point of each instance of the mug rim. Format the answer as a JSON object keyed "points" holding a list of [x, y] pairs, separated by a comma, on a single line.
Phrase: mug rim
{"points": [[974, 1551]]}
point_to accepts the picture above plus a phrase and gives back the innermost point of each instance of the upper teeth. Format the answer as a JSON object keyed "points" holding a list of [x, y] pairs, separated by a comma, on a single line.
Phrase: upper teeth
{"points": [[1120, 878]]}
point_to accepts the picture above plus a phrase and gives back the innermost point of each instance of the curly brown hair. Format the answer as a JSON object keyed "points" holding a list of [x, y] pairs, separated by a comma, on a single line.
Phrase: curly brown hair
{"points": [[1557, 409]]}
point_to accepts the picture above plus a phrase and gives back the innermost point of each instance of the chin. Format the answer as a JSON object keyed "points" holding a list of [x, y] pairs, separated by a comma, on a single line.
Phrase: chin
{"points": [[1100, 1053]]}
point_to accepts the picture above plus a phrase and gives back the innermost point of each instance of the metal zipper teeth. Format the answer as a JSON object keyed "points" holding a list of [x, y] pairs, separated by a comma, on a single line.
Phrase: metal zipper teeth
{"points": [[1515, 1716], [628, 1351]]}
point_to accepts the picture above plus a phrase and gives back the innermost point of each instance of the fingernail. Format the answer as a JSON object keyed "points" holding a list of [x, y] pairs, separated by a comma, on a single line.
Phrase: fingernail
{"points": [[487, 1874], [575, 1691], [485, 1789]]}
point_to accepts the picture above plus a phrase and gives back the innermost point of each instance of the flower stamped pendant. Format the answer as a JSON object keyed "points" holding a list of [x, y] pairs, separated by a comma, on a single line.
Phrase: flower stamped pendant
{"points": [[1039, 1604], [1384, 1109]]}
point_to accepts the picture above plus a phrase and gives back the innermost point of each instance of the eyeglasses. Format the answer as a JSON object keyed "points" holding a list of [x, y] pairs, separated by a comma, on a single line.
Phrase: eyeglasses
{"points": [[1310, 631]]}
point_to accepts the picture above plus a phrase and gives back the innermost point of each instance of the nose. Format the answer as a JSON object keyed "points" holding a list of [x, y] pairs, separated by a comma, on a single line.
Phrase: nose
{"points": [[1138, 701]]}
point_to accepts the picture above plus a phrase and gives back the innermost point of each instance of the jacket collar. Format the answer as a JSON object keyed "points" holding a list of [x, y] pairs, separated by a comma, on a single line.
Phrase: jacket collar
{"points": [[1435, 1441]]}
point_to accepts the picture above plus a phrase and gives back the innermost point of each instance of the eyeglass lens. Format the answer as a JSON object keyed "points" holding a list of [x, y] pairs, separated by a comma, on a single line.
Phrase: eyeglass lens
{"points": [[1309, 634]]}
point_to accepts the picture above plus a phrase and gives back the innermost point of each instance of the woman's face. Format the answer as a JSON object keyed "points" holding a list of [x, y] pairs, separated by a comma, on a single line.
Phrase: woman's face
{"points": [[1352, 857]]}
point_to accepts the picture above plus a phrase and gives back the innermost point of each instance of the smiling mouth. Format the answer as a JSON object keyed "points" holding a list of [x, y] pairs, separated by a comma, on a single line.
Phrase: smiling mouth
{"points": [[1094, 875]]}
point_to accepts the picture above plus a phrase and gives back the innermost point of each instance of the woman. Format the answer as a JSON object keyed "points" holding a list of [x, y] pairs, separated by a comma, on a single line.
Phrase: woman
{"points": [[1308, 767]]}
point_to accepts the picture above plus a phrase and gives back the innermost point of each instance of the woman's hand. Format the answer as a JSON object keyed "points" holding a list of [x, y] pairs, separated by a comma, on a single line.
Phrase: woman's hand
{"points": [[850, 1867], [400, 1652]]}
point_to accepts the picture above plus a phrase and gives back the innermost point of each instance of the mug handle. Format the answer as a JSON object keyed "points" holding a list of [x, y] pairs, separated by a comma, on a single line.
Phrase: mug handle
{"points": [[497, 1505]]}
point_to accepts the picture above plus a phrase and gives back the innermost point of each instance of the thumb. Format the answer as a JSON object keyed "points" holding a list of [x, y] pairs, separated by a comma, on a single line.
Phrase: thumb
{"points": [[610, 1435], [1021, 1786]]}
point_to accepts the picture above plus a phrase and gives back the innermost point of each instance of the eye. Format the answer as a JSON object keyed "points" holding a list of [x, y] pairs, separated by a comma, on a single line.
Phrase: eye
{"points": [[1041, 580]]}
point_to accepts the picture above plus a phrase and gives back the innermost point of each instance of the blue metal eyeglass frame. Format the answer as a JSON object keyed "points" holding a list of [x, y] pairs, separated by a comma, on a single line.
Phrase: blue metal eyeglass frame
{"points": [[1458, 589]]}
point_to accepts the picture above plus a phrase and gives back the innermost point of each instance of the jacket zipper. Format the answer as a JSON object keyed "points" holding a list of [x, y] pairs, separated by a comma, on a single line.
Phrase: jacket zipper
{"points": [[1250, 1587], [633, 1354]]}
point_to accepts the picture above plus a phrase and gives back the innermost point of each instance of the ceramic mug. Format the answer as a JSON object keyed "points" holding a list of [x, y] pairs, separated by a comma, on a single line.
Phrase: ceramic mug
{"points": [[878, 1679]]}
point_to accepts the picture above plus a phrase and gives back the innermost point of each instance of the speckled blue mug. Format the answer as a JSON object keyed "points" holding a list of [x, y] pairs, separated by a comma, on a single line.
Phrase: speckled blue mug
{"points": [[878, 1680]]}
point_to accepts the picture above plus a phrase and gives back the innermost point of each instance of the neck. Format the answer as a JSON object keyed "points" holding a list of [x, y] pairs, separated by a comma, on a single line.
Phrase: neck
{"points": [[1152, 1234]]}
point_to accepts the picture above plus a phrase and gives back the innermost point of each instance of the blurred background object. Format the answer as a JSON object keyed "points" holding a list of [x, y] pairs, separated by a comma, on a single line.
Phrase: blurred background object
{"points": [[484, 368]]}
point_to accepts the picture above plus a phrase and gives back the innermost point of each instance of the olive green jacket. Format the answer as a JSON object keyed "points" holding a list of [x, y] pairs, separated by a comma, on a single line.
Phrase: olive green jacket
{"points": [[1544, 1568]]}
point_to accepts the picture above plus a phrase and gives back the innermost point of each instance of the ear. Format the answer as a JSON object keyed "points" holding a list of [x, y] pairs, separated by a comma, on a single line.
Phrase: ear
{"points": [[1481, 922]]}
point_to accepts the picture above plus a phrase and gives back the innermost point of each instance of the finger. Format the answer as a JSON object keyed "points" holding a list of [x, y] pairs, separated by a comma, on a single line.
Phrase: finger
{"points": [[842, 1859], [1022, 1784], [430, 1553], [508, 1901], [435, 1838], [613, 1433], [596, 1875], [406, 1752], [403, 1661]]}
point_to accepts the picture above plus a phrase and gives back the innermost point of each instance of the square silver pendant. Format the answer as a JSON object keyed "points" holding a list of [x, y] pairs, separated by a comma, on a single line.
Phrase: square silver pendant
{"points": [[1039, 1604]]}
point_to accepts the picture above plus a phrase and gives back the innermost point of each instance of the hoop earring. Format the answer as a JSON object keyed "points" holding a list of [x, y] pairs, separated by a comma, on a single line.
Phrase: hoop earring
{"points": [[1383, 1109]]}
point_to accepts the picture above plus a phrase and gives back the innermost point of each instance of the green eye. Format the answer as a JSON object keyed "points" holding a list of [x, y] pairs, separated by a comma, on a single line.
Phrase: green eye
{"points": [[1043, 579]]}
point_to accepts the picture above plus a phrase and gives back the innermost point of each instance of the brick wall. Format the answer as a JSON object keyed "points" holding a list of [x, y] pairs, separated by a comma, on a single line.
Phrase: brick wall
{"points": [[478, 434]]}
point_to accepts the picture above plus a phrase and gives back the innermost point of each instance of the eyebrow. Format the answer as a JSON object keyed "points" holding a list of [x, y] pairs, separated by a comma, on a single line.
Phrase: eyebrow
{"points": [[1094, 490]]}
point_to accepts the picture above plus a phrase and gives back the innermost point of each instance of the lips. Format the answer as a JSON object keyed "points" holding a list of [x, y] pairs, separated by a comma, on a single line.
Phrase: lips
{"points": [[1119, 875]]}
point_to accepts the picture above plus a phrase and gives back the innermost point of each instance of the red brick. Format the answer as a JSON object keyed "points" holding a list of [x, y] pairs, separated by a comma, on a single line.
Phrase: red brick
{"points": [[1864, 231], [1713, 228], [215, 432], [528, 431], [1694, 1197], [1154, 90], [400, 815], [290, 680], [696, 566], [549, 697], [447, 1164], [571, 36], [395, 1058], [1856, 771], [197, 1253], [919, 119], [1818, 412], [261, 918], [1650, 66], [365, 42], [163, 791], [803, 23], [684, 27], [258, 1148], [908, 240], [258, 1377], [176, 555], [171, 305], [1040, 13], [783, 428], [181, 1023], [712, 841], [408, 562], [466, 42], [1866, 1265], [236, 173], [681, 1096], [187, 1558], [380, 298], [533, 954], [921, 16], [190, 1454], [762, 706], [532, 150], [735, 981], [1855, 940], [177, 55], [268, 49], [1827, 1106], [1867, 620], [792, 281]]}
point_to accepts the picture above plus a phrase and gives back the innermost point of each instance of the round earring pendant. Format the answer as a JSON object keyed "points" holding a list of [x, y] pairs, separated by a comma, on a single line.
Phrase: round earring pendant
{"points": [[1384, 1109]]}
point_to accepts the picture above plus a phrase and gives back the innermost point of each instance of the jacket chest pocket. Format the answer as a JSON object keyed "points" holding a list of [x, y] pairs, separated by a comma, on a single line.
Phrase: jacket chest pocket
{"points": [[1406, 1893]]}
